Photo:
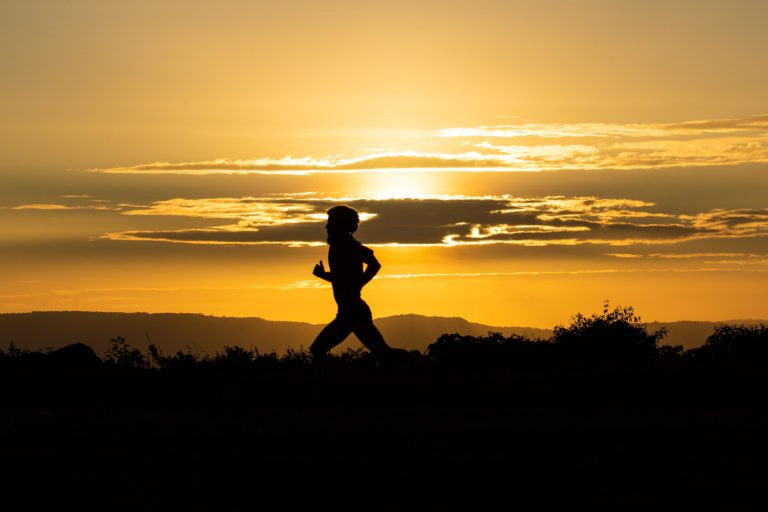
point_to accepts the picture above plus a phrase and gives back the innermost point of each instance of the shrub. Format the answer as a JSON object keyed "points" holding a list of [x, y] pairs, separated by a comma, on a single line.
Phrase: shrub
{"points": [[612, 336], [491, 351], [734, 345], [179, 360], [359, 357], [236, 357], [123, 355], [293, 358]]}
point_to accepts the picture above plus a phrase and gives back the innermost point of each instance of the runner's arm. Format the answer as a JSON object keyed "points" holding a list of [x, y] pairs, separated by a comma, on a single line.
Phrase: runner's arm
{"points": [[372, 267]]}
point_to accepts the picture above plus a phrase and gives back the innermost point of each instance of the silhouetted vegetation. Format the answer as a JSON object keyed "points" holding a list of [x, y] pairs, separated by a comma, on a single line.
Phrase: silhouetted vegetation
{"points": [[601, 401], [615, 337], [734, 346], [493, 352], [610, 341], [122, 355]]}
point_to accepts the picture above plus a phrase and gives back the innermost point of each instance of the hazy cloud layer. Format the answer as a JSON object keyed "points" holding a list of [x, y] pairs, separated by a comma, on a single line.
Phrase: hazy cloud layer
{"points": [[449, 221], [316, 283], [525, 147], [712, 127], [307, 165], [46, 206]]}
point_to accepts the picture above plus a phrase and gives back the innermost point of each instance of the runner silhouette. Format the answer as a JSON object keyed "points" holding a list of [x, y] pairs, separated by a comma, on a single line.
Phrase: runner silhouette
{"points": [[346, 257]]}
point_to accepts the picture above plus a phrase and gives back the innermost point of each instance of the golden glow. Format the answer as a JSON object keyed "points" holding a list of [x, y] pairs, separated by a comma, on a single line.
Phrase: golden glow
{"points": [[400, 185], [536, 148], [513, 164]]}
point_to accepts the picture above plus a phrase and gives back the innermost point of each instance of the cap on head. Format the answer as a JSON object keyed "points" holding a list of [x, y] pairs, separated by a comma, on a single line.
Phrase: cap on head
{"points": [[344, 217]]}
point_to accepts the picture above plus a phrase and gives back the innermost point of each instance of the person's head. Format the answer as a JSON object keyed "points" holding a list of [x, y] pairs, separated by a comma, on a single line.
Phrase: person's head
{"points": [[342, 219]]}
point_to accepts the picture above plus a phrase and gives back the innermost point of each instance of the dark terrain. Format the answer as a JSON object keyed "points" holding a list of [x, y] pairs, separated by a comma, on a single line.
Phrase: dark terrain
{"points": [[600, 414], [208, 334]]}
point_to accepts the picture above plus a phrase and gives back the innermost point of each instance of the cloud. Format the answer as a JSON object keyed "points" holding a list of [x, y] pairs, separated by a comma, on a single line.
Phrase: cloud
{"points": [[311, 165], [45, 206], [724, 260], [734, 223], [652, 154], [39, 206], [613, 130], [249, 211], [448, 221], [523, 147], [695, 255], [313, 284]]}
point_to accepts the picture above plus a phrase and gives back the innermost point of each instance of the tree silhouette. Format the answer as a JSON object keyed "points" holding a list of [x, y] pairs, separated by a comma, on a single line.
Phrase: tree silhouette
{"points": [[737, 346], [614, 336]]}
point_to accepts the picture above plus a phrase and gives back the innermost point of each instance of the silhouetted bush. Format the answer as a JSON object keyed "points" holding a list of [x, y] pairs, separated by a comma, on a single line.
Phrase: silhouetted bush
{"points": [[14, 351], [239, 359], [610, 338], [178, 361], [493, 351], [123, 355], [354, 358], [20, 358], [614, 339], [236, 357], [737, 346], [296, 359], [267, 362], [75, 356]]}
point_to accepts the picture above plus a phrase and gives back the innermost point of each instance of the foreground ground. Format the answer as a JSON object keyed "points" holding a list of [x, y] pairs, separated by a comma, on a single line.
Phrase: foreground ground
{"points": [[374, 438]]}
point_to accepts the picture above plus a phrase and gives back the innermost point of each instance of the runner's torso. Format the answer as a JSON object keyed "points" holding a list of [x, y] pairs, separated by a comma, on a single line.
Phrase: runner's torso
{"points": [[346, 257]]}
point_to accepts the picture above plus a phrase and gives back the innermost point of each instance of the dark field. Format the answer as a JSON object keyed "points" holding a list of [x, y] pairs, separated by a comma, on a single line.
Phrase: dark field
{"points": [[151, 443], [485, 423]]}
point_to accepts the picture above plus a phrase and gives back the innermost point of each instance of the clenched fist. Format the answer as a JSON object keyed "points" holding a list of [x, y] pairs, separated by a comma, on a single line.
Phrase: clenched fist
{"points": [[319, 270]]}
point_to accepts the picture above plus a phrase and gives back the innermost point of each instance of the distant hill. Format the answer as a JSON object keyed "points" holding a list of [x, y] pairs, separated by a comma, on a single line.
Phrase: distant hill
{"points": [[168, 331], [417, 331], [207, 334]]}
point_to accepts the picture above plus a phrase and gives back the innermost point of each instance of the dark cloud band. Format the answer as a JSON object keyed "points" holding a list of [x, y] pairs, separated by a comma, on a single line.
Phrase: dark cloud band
{"points": [[450, 221]]}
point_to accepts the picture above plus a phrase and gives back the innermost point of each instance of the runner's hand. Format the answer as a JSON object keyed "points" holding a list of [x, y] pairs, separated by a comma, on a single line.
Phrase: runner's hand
{"points": [[319, 270]]}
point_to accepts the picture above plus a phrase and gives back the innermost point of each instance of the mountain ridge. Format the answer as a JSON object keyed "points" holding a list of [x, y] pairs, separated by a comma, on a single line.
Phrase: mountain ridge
{"points": [[201, 333]]}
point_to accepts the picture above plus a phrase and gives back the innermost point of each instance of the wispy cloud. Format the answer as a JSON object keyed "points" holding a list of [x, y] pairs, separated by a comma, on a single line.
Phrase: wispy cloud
{"points": [[737, 223], [637, 155], [313, 284], [524, 147], [613, 130], [40, 206], [46, 206], [249, 211], [688, 256], [311, 165], [723, 260]]}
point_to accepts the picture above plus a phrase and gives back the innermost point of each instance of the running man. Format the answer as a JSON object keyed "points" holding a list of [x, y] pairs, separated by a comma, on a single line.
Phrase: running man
{"points": [[346, 257]]}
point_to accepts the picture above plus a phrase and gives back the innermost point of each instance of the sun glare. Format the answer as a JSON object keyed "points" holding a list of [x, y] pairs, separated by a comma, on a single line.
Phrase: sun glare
{"points": [[401, 184]]}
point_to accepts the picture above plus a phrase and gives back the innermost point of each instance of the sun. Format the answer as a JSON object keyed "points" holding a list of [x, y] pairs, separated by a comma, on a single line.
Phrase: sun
{"points": [[400, 184]]}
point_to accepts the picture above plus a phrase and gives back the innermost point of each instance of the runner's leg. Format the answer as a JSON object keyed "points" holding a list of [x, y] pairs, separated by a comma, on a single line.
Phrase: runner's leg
{"points": [[370, 336], [331, 335]]}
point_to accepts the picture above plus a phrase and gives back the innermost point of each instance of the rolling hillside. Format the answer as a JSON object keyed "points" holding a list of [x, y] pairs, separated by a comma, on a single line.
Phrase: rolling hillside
{"points": [[206, 334]]}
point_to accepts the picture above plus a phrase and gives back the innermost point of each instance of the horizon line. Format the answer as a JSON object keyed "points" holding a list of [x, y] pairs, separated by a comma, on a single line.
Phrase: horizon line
{"points": [[642, 321]]}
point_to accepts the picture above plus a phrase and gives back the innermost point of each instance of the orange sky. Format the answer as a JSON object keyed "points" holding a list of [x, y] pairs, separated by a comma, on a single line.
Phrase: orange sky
{"points": [[516, 162]]}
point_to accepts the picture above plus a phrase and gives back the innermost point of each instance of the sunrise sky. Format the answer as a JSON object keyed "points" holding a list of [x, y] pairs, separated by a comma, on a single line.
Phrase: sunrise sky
{"points": [[515, 162]]}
